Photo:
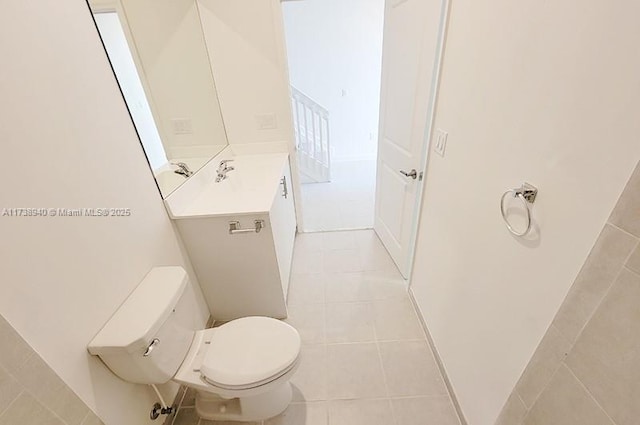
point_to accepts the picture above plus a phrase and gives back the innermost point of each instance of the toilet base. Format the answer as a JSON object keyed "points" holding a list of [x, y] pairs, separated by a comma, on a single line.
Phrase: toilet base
{"points": [[251, 408]]}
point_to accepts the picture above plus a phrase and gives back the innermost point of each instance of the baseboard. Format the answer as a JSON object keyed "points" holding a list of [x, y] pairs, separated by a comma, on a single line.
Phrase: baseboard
{"points": [[443, 372]]}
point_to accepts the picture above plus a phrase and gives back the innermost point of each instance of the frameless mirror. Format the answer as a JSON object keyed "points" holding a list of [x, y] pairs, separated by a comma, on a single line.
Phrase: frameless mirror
{"points": [[158, 53]]}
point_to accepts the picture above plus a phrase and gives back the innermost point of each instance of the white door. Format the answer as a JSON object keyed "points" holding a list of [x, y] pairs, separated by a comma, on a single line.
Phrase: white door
{"points": [[410, 59]]}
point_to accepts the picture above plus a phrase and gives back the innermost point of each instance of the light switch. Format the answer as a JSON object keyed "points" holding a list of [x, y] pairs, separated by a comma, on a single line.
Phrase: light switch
{"points": [[440, 141]]}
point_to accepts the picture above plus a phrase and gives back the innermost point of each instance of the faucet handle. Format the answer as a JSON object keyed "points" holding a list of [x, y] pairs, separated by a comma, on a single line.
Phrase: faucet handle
{"points": [[224, 162]]}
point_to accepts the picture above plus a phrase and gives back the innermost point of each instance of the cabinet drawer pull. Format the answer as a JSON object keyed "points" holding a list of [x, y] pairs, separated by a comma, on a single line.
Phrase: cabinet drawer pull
{"points": [[234, 227], [285, 190]]}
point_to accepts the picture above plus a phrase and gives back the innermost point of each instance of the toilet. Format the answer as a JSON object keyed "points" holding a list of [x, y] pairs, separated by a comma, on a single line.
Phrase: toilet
{"points": [[241, 369]]}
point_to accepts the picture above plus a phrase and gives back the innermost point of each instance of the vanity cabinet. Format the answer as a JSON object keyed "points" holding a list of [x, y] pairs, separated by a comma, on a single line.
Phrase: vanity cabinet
{"points": [[244, 272]]}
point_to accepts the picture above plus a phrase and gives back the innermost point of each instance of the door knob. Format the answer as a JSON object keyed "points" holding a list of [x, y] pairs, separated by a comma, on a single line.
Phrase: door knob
{"points": [[413, 173]]}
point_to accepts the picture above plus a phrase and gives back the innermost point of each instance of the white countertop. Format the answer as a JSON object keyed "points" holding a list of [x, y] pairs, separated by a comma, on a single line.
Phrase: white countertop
{"points": [[248, 189]]}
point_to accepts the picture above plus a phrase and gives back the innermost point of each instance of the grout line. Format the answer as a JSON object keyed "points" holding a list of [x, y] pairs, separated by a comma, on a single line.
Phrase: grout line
{"points": [[564, 357], [44, 406], [626, 260], [522, 401], [622, 230], [631, 271], [384, 373], [597, 307], [438, 359], [573, 343], [86, 416], [584, 387], [375, 341], [10, 404]]}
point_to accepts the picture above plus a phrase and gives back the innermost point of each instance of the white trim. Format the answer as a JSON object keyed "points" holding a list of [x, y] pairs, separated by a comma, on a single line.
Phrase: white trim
{"points": [[436, 355], [435, 85], [293, 159]]}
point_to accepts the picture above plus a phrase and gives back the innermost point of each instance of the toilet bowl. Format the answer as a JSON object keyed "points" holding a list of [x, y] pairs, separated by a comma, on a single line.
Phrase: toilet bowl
{"points": [[241, 370]]}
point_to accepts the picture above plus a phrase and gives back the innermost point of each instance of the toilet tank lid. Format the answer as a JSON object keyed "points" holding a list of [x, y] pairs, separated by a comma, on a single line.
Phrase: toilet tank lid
{"points": [[136, 322]]}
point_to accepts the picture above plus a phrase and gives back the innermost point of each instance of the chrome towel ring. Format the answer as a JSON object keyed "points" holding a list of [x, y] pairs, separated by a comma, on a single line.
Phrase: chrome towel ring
{"points": [[527, 194]]}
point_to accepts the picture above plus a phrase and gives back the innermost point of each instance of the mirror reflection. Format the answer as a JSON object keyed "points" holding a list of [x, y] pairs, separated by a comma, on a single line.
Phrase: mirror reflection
{"points": [[158, 54]]}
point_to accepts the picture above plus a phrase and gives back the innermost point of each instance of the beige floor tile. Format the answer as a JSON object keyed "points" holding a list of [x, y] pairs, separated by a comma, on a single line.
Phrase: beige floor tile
{"points": [[306, 289], [594, 280], [346, 202], [633, 263], [513, 412], [338, 241], [68, 406], [545, 361], [47, 387], [625, 213], [14, 351], [309, 241], [186, 416], [9, 389], [360, 412], [425, 411], [396, 320], [384, 285], [347, 287], [410, 369], [307, 261], [606, 357], [26, 410], [92, 419], [314, 413], [566, 402], [349, 322], [310, 380], [376, 258], [309, 321], [354, 371], [342, 261]]}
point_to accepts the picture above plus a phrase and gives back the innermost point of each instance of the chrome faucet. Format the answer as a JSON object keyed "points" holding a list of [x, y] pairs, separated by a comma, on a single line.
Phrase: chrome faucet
{"points": [[183, 169], [223, 169]]}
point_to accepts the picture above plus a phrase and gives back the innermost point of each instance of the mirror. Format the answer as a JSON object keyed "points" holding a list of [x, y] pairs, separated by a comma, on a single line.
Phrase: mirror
{"points": [[158, 53]]}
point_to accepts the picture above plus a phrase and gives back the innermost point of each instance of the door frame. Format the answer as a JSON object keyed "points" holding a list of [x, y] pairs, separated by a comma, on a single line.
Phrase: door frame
{"points": [[426, 148], [424, 160]]}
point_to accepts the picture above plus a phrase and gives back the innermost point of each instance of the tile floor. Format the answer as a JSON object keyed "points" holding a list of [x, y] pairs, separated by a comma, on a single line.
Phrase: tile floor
{"points": [[365, 359], [347, 202]]}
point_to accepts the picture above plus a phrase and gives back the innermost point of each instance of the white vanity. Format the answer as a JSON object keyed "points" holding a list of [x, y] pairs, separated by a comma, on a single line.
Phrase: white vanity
{"points": [[239, 233]]}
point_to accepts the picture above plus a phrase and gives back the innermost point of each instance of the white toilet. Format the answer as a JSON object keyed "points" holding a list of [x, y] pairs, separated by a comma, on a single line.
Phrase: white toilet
{"points": [[241, 370]]}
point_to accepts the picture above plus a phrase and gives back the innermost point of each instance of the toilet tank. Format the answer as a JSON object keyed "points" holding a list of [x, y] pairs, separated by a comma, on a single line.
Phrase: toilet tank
{"points": [[147, 338]]}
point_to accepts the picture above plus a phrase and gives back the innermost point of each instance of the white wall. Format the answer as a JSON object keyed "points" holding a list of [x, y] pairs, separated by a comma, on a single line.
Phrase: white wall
{"points": [[246, 47], [116, 45], [336, 45], [545, 92], [68, 142], [171, 49]]}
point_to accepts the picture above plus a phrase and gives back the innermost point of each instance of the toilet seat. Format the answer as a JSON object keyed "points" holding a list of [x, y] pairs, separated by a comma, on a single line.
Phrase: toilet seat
{"points": [[249, 352]]}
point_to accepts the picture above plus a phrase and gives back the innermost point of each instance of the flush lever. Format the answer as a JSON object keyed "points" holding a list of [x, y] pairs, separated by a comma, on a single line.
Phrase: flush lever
{"points": [[151, 346], [413, 173]]}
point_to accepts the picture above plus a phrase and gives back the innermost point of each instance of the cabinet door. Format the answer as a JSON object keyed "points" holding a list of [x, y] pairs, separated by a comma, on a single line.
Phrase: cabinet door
{"points": [[283, 224]]}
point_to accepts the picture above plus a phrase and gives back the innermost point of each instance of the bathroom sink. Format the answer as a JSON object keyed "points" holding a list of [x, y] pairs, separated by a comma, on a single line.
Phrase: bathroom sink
{"points": [[249, 188], [168, 181]]}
